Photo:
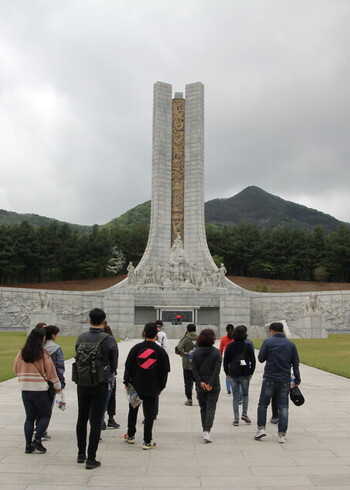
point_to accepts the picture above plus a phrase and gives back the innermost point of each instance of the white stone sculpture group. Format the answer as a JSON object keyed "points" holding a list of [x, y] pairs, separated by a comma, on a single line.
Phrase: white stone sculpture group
{"points": [[176, 273]]}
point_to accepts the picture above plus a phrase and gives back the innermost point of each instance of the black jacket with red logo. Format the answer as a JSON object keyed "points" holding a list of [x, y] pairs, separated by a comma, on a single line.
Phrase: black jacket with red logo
{"points": [[146, 368]]}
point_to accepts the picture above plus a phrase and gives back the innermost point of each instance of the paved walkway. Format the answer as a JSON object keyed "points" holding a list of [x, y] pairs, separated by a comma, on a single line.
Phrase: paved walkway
{"points": [[317, 454]]}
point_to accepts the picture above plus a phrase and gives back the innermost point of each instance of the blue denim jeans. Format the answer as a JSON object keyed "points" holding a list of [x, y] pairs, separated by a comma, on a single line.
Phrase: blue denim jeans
{"points": [[240, 384], [38, 407], [280, 391]]}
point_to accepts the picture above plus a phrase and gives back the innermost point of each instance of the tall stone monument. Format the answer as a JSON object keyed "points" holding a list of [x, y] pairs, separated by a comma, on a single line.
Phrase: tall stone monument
{"points": [[177, 249], [177, 279]]}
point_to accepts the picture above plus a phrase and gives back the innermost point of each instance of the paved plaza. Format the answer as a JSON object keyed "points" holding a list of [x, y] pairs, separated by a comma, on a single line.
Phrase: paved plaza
{"points": [[316, 455]]}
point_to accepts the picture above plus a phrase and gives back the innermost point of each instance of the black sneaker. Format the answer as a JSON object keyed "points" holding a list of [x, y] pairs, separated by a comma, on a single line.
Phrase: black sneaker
{"points": [[45, 437], [113, 424], [148, 445], [81, 458], [104, 426], [39, 447], [91, 465], [29, 449]]}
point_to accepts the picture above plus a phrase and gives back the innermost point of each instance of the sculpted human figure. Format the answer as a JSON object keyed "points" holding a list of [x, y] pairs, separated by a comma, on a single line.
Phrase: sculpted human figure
{"points": [[131, 273], [45, 301], [222, 273], [312, 303], [177, 250]]}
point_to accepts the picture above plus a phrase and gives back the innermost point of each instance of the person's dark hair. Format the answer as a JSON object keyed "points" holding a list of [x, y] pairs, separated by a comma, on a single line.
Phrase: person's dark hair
{"points": [[229, 330], [191, 327], [276, 327], [229, 327], [206, 338], [97, 316], [240, 333], [40, 325], [108, 330], [159, 323], [33, 348], [150, 330], [51, 330]]}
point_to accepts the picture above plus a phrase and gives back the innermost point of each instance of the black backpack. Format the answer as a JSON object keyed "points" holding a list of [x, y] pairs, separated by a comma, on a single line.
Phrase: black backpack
{"points": [[88, 369], [235, 367]]}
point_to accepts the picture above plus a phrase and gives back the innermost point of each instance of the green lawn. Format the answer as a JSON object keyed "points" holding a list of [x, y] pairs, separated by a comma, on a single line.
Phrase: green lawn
{"points": [[332, 354], [12, 342]]}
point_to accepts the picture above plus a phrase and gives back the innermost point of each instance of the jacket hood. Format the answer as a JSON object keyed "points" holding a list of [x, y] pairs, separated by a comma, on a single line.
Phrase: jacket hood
{"points": [[204, 351], [51, 347]]}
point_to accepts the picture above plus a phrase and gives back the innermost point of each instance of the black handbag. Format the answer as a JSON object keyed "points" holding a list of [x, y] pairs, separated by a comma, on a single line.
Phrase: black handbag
{"points": [[296, 396]]}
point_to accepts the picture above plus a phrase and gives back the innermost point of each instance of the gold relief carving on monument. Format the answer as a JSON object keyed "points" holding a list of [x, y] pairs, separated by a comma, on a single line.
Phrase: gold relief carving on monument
{"points": [[177, 169]]}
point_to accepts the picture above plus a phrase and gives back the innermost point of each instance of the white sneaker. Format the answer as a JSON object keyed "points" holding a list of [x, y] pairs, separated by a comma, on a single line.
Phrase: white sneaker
{"points": [[207, 437], [260, 433], [282, 439]]}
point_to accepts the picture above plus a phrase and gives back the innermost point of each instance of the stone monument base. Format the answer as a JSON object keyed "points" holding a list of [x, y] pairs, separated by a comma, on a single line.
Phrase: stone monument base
{"points": [[311, 326], [41, 316]]}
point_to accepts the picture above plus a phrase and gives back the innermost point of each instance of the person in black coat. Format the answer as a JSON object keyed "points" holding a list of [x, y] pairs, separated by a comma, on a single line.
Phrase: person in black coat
{"points": [[242, 374], [206, 364], [146, 369]]}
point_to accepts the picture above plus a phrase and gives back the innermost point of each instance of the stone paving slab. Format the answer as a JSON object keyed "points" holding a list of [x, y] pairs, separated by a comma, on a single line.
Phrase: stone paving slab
{"points": [[316, 455]]}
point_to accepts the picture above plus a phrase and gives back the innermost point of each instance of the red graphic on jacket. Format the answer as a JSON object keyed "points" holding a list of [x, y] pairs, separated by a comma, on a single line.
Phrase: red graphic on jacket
{"points": [[147, 358]]}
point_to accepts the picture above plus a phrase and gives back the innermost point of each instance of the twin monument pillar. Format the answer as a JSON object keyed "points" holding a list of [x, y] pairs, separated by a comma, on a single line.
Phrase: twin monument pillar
{"points": [[177, 275]]}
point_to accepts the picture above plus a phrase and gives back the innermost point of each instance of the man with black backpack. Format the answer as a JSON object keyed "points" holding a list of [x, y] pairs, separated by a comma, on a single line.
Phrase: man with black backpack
{"points": [[95, 361]]}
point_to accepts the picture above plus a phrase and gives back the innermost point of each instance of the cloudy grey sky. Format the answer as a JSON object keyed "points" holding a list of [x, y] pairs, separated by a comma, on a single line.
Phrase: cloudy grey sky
{"points": [[76, 87]]}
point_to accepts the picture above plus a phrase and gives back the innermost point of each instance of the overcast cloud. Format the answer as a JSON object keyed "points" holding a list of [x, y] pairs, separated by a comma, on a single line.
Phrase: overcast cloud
{"points": [[76, 88]]}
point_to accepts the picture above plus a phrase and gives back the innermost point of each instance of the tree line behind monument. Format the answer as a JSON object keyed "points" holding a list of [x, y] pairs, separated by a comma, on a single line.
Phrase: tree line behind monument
{"points": [[58, 252]]}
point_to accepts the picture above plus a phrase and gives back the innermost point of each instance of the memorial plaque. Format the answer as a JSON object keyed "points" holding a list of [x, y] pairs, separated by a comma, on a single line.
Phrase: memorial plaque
{"points": [[172, 316]]}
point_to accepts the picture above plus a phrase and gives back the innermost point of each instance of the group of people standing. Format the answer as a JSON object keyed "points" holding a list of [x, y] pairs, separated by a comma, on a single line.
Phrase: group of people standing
{"points": [[146, 373], [201, 362]]}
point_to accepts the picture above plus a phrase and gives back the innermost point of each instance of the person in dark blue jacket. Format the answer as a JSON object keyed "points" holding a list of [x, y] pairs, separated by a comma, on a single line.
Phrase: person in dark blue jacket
{"points": [[280, 355]]}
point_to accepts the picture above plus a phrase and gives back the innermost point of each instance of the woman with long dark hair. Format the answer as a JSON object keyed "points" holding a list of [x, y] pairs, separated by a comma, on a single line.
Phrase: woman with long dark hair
{"points": [[206, 364], [34, 369]]}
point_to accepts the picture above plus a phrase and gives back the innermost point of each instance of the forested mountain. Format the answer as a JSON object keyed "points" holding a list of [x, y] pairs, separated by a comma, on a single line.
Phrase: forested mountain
{"points": [[12, 218], [254, 233], [252, 205]]}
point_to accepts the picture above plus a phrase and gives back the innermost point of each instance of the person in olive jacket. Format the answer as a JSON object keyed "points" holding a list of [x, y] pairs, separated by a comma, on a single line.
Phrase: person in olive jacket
{"points": [[186, 345]]}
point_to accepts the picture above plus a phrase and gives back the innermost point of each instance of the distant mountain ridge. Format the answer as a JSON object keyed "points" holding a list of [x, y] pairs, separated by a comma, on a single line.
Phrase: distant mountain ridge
{"points": [[12, 218], [251, 205], [254, 205]]}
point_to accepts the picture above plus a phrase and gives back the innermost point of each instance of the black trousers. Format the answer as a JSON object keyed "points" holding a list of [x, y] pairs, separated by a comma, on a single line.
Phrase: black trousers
{"points": [[111, 407], [149, 406], [207, 401], [188, 380], [91, 405]]}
